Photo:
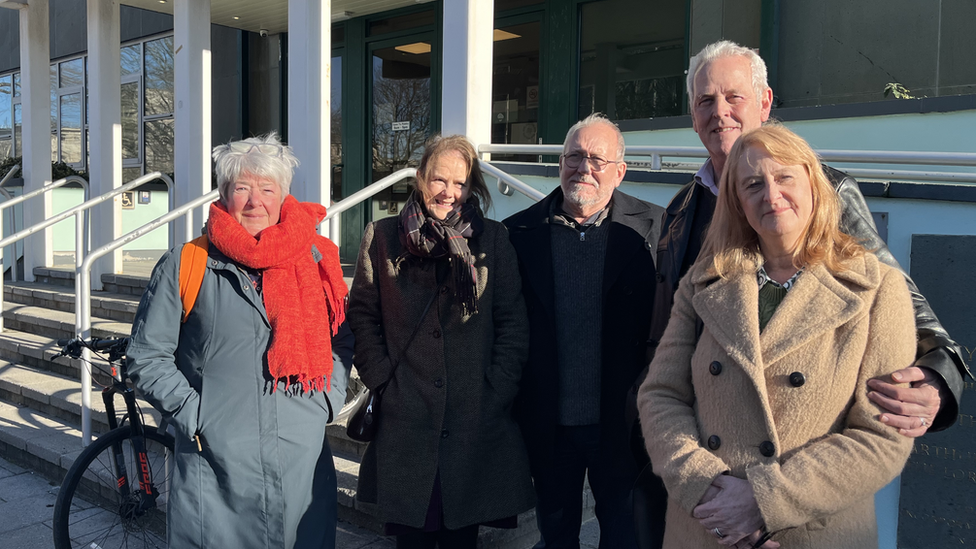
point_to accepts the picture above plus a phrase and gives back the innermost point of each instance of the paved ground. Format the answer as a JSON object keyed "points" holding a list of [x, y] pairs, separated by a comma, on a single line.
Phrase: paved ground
{"points": [[27, 503]]}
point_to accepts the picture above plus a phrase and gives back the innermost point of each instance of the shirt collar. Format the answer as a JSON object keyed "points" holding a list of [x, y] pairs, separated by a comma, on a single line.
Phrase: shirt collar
{"points": [[763, 278], [557, 214], [705, 176]]}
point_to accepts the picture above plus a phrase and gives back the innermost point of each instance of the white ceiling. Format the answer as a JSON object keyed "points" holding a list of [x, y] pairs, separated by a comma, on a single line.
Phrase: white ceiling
{"points": [[272, 15]]}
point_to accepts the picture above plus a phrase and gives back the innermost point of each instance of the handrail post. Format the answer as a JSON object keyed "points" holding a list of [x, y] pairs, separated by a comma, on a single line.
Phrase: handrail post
{"points": [[82, 283]]}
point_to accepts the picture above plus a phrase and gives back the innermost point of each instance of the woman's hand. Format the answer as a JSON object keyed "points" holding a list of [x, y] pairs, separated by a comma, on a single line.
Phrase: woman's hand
{"points": [[731, 511]]}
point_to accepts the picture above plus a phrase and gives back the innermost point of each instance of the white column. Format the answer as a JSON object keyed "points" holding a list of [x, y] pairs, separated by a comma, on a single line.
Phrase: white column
{"points": [[104, 131], [35, 94], [191, 46], [309, 106], [467, 65]]}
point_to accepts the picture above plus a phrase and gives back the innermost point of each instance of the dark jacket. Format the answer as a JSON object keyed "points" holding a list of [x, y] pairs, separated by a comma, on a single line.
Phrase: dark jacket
{"points": [[628, 296], [448, 408], [936, 350]]}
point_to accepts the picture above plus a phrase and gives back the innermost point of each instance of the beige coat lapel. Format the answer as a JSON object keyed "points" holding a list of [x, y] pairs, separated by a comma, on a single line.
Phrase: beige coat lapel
{"points": [[730, 310], [818, 303]]}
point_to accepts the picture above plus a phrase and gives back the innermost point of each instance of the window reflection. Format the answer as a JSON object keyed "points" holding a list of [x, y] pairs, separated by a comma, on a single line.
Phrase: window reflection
{"points": [[159, 76], [130, 59], [159, 146], [130, 120], [6, 122], [18, 130], [335, 130], [632, 67], [515, 87], [72, 73], [71, 128]]}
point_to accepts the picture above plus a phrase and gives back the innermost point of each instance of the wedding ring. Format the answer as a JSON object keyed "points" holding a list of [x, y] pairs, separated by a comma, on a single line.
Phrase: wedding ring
{"points": [[922, 419], [718, 533]]}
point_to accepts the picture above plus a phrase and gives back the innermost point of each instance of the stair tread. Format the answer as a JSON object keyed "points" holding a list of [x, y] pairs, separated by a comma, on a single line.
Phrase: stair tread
{"points": [[60, 391], [64, 293], [62, 320]]}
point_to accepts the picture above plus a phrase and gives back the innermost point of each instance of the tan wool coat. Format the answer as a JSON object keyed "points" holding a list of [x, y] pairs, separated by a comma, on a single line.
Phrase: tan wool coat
{"points": [[815, 451]]}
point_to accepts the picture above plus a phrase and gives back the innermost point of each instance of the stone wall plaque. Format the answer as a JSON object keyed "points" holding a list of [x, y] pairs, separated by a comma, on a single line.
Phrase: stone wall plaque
{"points": [[938, 486]]}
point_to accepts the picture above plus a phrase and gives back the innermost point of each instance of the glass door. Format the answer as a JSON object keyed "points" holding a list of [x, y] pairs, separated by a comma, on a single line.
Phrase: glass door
{"points": [[402, 113]]}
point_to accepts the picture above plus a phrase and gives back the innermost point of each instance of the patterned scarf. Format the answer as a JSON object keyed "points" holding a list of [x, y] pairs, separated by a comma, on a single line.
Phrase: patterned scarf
{"points": [[303, 316], [428, 237]]}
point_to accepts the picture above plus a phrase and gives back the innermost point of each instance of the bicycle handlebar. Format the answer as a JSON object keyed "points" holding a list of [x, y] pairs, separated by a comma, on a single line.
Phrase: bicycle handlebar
{"points": [[72, 347]]}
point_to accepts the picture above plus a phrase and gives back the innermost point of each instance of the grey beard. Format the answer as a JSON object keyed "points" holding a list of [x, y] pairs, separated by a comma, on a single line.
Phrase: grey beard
{"points": [[576, 197]]}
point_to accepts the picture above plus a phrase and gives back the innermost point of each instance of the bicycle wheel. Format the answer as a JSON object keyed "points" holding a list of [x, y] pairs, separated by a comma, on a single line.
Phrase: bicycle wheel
{"points": [[91, 511]]}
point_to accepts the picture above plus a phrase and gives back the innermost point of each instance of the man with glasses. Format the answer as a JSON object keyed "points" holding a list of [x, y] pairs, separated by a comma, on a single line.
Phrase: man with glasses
{"points": [[586, 257]]}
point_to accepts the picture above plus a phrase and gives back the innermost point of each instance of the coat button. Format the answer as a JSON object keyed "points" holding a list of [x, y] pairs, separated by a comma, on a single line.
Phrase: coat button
{"points": [[714, 442], [659, 277], [444, 433], [767, 449], [797, 379], [444, 289], [436, 333], [715, 368], [438, 383]]}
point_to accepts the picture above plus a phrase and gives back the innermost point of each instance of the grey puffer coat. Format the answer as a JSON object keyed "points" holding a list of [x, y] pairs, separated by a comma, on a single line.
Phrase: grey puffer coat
{"points": [[265, 477], [448, 408]]}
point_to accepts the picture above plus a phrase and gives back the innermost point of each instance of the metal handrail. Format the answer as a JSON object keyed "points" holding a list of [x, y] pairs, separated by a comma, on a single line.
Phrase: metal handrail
{"points": [[10, 174], [506, 183], [361, 195], [79, 213], [17, 200], [83, 294]]}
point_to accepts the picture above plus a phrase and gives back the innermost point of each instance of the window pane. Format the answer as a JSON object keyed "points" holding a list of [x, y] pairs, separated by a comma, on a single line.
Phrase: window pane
{"points": [[18, 142], [128, 174], [6, 93], [159, 76], [633, 66], [54, 99], [515, 87], [5, 149], [130, 120], [159, 146], [335, 137], [130, 59], [17, 84], [73, 73], [71, 128]]}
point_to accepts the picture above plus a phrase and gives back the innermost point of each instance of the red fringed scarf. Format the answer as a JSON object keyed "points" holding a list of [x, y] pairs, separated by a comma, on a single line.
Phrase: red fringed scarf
{"points": [[303, 317]]}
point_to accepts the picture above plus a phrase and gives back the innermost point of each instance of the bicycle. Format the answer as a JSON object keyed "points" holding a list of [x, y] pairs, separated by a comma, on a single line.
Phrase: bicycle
{"points": [[123, 472]]}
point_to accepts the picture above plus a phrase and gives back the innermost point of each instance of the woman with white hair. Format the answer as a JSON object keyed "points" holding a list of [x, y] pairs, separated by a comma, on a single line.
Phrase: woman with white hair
{"points": [[242, 375]]}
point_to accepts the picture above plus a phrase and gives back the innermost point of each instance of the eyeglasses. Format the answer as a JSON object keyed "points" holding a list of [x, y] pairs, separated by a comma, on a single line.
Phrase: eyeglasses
{"points": [[597, 163], [268, 149]]}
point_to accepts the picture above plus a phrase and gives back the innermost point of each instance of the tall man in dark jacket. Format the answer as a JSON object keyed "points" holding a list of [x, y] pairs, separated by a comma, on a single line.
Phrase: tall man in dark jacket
{"points": [[586, 258], [728, 93]]}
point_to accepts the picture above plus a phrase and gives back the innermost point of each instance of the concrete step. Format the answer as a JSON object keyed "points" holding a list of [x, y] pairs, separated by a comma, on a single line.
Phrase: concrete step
{"points": [[119, 307], [114, 283], [38, 352], [57, 324], [60, 397]]}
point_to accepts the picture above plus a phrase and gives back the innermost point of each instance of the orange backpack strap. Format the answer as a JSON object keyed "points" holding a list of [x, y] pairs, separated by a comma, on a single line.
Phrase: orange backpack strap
{"points": [[193, 265]]}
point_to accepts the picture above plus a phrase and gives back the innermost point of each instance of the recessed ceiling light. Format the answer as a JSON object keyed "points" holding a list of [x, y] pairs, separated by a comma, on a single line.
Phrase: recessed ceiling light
{"points": [[416, 48], [162, 1], [500, 35], [236, 18]]}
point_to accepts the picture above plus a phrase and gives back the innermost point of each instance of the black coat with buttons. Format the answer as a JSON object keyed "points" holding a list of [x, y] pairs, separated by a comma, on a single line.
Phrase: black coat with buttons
{"points": [[448, 408], [628, 296]]}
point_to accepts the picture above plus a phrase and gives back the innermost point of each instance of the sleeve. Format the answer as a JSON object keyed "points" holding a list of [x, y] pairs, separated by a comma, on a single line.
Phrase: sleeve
{"points": [[372, 358], [667, 416], [935, 351], [509, 318], [830, 473], [151, 356]]}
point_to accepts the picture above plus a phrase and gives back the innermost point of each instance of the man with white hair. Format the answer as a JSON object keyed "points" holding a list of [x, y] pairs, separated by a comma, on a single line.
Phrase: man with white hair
{"points": [[728, 95], [586, 255]]}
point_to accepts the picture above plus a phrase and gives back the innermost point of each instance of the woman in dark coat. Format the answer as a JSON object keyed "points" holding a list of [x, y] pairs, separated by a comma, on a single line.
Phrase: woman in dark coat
{"points": [[243, 379], [448, 456]]}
